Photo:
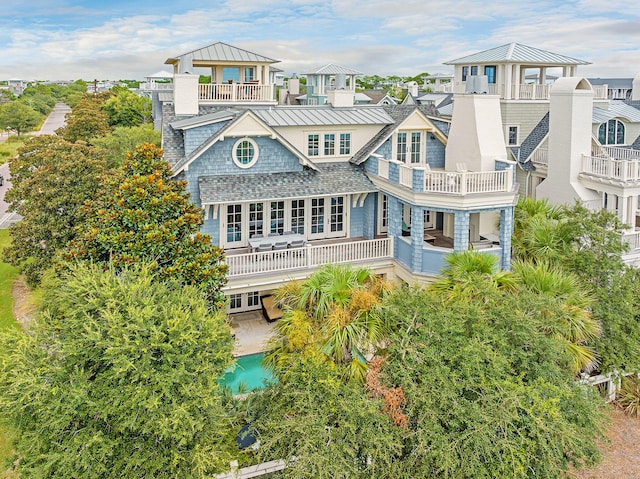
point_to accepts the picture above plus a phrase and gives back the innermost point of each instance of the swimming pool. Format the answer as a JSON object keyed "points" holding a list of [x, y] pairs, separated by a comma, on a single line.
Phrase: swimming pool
{"points": [[247, 374]]}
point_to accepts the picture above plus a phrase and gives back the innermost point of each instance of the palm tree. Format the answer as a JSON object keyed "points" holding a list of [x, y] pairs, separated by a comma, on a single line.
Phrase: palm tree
{"points": [[469, 274], [335, 313], [540, 231], [568, 318]]}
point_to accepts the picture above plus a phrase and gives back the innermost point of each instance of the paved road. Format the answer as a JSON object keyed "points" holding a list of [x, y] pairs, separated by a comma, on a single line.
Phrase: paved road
{"points": [[54, 121]]}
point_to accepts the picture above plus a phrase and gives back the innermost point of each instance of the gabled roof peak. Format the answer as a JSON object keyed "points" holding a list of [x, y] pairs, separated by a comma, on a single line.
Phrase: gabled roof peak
{"points": [[517, 53]]}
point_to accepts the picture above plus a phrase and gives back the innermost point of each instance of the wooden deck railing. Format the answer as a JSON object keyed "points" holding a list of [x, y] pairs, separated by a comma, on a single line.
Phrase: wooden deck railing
{"points": [[309, 256], [241, 92], [468, 182]]}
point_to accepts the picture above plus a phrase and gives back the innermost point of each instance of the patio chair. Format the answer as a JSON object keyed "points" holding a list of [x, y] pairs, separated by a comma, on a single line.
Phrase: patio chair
{"points": [[273, 234], [296, 244], [280, 245], [288, 233], [257, 235], [263, 247]]}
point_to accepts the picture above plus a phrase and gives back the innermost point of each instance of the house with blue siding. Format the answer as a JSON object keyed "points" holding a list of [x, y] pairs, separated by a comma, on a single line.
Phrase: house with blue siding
{"points": [[285, 189]]}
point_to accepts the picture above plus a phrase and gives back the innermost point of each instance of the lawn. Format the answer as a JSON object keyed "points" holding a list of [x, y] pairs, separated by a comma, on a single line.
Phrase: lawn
{"points": [[9, 148], [7, 276]]}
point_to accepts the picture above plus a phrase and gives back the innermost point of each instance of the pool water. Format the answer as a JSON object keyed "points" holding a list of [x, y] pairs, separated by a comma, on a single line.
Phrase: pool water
{"points": [[247, 374]]}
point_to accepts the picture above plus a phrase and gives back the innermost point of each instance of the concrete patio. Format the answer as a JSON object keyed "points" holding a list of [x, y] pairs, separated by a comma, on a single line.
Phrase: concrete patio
{"points": [[252, 332]]}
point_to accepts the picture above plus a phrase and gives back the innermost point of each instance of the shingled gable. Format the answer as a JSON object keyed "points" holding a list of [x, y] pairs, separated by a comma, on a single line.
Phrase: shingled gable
{"points": [[246, 124], [400, 114]]}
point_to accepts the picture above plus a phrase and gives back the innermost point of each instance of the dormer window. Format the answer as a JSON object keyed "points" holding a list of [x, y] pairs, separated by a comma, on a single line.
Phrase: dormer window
{"points": [[611, 133], [245, 153]]}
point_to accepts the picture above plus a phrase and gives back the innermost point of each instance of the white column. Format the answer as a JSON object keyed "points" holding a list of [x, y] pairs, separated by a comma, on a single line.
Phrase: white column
{"points": [[565, 71], [516, 81], [507, 81], [623, 202], [543, 75]]}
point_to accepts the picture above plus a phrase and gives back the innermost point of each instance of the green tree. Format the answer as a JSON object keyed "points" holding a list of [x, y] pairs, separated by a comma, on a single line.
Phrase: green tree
{"points": [[126, 108], [124, 139], [86, 121], [332, 428], [335, 314], [43, 104], [141, 214], [487, 393], [19, 117], [51, 180], [118, 378]]}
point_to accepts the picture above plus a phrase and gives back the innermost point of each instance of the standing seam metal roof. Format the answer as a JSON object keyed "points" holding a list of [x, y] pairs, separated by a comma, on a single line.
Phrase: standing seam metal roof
{"points": [[517, 53], [332, 69], [223, 52], [320, 116]]}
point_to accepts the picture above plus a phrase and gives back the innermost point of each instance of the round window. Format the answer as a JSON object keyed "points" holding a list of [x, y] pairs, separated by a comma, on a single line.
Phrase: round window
{"points": [[245, 153]]}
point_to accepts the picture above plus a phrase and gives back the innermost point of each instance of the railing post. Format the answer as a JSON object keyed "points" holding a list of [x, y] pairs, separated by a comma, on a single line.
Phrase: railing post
{"points": [[463, 183]]}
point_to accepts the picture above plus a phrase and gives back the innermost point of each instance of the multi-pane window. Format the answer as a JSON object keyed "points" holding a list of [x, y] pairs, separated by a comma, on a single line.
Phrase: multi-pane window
{"points": [[235, 301], [337, 213], [385, 211], [415, 146], [345, 143], [245, 153], [249, 74], [277, 217], [474, 70], [253, 298], [313, 145], [513, 135], [317, 215], [329, 144], [401, 144], [611, 133], [234, 223], [297, 216], [465, 73], [256, 219]]}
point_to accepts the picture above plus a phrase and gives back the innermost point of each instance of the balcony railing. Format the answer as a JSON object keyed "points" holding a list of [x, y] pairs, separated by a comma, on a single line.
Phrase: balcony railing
{"points": [[632, 239], [621, 170], [457, 183], [308, 257], [615, 152], [540, 156], [525, 91], [240, 92]]}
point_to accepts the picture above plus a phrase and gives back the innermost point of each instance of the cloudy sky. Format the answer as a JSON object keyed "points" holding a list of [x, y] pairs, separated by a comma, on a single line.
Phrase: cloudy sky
{"points": [[128, 39]]}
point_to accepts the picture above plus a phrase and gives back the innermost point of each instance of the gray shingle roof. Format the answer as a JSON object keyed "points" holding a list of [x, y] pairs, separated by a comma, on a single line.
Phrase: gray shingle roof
{"points": [[332, 69], [322, 115], [530, 143], [517, 53], [330, 179], [222, 52], [197, 120]]}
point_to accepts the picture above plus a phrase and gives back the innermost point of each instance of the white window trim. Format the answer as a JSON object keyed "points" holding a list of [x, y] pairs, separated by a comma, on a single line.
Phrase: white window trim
{"points": [[506, 138], [336, 143], [256, 153], [381, 227], [423, 147], [327, 233]]}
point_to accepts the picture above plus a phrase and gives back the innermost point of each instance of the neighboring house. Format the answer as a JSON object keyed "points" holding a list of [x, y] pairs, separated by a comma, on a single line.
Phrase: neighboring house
{"points": [[617, 88], [391, 187], [16, 86], [570, 139]]}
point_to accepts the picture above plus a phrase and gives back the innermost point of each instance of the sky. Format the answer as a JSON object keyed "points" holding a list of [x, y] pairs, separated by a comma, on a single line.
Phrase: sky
{"points": [[130, 39]]}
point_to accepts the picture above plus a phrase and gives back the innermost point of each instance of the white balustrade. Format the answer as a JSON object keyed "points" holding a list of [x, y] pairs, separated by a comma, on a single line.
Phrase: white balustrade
{"points": [[616, 152], [600, 92], [383, 168], [235, 92], [540, 156], [632, 239], [621, 170], [469, 182], [406, 176], [308, 256]]}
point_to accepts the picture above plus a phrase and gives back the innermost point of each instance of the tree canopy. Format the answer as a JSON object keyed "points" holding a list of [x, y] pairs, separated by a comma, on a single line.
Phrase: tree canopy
{"points": [[117, 378], [127, 109], [124, 139], [140, 214], [19, 116], [86, 120], [51, 180]]}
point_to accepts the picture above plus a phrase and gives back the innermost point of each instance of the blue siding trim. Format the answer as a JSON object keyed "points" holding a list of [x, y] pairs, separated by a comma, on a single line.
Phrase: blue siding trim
{"points": [[435, 152]]}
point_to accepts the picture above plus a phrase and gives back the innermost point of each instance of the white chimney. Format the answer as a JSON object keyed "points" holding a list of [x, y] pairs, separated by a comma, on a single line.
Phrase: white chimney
{"points": [[293, 86], [476, 137], [635, 92], [570, 113]]}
